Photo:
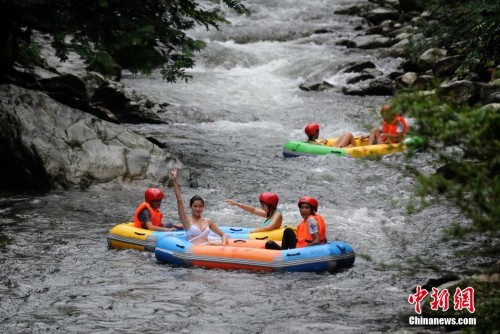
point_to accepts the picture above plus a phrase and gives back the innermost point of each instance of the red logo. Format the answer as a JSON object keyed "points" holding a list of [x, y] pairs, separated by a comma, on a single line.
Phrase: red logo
{"points": [[417, 297], [462, 299]]}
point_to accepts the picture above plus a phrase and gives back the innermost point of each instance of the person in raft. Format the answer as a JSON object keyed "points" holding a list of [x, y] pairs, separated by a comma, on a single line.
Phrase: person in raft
{"points": [[269, 211], [311, 230], [312, 132], [197, 227], [148, 214], [393, 128]]}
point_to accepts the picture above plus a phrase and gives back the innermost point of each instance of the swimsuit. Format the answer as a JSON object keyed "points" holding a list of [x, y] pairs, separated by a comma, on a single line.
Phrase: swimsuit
{"points": [[195, 233]]}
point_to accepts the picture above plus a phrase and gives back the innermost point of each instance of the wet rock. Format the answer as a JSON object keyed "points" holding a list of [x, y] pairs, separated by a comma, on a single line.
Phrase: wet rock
{"points": [[446, 66], [412, 5], [424, 82], [359, 78], [379, 87], [489, 92], [427, 59], [380, 14], [316, 87], [47, 145], [355, 10], [371, 42], [407, 79], [459, 92], [358, 66]]}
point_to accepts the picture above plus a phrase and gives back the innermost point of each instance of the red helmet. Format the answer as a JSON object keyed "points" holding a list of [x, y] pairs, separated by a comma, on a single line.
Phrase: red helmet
{"points": [[269, 198], [153, 194], [311, 129], [309, 200]]}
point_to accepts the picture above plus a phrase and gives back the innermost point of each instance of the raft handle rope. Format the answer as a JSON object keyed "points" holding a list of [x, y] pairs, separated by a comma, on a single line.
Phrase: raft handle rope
{"points": [[342, 249], [295, 254]]}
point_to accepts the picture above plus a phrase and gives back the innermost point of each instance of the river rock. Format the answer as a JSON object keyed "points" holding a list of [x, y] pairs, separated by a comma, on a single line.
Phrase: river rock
{"points": [[380, 14], [371, 42], [447, 66], [462, 91], [412, 5], [427, 59], [316, 87], [407, 79], [47, 145], [358, 66]]}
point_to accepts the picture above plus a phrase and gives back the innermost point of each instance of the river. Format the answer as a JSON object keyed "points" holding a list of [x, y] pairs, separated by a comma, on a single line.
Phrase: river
{"points": [[228, 126]]}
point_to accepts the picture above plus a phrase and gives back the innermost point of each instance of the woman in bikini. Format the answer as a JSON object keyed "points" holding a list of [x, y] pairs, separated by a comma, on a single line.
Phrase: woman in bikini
{"points": [[197, 227]]}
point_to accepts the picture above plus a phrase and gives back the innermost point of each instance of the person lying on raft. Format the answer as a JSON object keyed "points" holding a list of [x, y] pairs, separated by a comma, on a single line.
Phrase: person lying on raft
{"points": [[198, 228], [269, 211], [393, 128], [148, 214], [311, 230], [312, 132]]}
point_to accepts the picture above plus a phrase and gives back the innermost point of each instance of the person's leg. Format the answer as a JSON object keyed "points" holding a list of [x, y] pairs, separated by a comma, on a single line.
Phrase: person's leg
{"points": [[289, 239], [345, 140], [272, 245], [375, 137]]}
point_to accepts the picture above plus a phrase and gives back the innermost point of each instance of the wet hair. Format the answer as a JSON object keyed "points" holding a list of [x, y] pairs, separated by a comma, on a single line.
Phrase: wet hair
{"points": [[271, 210], [196, 198]]}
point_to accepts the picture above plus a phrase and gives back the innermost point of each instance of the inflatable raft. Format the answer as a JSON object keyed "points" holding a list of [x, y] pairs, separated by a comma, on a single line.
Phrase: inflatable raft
{"points": [[127, 236], [295, 148], [252, 255], [244, 233]]}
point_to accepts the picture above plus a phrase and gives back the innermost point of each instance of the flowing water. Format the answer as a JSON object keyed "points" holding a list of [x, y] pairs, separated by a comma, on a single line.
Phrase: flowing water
{"points": [[228, 125]]}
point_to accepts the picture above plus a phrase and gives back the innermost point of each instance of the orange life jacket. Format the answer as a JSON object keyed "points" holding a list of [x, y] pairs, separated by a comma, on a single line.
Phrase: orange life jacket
{"points": [[304, 237], [392, 128], [156, 215]]}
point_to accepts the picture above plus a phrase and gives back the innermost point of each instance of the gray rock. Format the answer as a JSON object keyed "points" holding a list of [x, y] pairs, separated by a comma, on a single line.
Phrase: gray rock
{"points": [[407, 79], [371, 42], [427, 59], [380, 14], [459, 92], [47, 145], [447, 66]]}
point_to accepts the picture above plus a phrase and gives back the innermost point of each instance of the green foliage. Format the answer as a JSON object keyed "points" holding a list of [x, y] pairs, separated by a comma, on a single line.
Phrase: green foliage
{"points": [[471, 27], [107, 34], [466, 143]]}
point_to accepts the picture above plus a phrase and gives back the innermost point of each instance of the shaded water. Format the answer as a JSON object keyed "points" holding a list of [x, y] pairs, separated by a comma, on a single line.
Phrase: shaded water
{"points": [[228, 126]]}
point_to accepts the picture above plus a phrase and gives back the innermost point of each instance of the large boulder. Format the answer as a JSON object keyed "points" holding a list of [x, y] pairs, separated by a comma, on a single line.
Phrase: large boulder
{"points": [[459, 92], [427, 59], [46, 145]]}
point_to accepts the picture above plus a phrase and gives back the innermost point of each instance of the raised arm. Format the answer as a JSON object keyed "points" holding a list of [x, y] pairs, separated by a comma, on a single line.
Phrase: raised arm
{"points": [[247, 208], [186, 222]]}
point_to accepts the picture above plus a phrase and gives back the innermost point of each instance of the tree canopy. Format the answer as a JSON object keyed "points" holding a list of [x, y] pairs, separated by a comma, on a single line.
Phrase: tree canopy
{"points": [[137, 35], [470, 27]]}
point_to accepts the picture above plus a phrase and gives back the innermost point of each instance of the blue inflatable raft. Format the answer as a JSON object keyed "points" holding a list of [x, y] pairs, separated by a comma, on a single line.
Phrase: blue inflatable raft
{"points": [[251, 255]]}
